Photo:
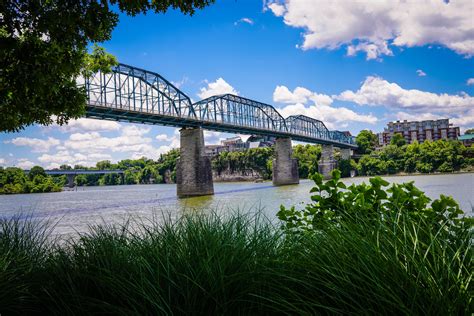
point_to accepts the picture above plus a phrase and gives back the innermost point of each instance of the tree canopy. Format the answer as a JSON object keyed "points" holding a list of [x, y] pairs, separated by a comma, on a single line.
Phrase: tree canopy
{"points": [[366, 140], [469, 131], [397, 140], [44, 49]]}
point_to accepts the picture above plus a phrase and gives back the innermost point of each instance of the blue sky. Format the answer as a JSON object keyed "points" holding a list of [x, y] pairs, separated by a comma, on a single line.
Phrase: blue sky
{"points": [[353, 65]]}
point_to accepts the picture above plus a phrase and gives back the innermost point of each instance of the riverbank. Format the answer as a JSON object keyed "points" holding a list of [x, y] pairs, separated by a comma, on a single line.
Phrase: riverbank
{"points": [[207, 265]]}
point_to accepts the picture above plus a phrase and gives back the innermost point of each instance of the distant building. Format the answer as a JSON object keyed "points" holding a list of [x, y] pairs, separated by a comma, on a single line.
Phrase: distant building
{"points": [[214, 150], [234, 143], [419, 131], [257, 141], [467, 139]]}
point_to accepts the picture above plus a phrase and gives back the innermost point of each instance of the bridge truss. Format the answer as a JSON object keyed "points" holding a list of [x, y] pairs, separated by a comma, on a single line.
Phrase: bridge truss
{"points": [[136, 95]]}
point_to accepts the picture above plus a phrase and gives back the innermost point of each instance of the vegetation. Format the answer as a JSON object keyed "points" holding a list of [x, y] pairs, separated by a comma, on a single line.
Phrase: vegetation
{"points": [[14, 180], [257, 159], [308, 157], [469, 131], [364, 249], [44, 51], [428, 157], [366, 140]]}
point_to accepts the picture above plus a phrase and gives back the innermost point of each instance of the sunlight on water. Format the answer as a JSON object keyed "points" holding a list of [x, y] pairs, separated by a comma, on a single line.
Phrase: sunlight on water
{"points": [[73, 211]]}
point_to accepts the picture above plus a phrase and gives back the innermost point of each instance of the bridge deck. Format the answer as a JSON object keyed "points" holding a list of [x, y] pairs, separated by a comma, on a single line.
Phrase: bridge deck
{"points": [[81, 171], [136, 95]]}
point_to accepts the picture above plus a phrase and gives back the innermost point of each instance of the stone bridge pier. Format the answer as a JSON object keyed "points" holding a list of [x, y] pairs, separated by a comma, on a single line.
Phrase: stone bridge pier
{"points": [[327, 163], [193, 168], [70, 180], [285, 168]]}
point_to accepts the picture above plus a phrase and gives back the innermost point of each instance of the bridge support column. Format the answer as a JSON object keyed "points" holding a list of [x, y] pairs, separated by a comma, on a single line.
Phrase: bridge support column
{"points": [[345, 153], [70, 180], [193, 168], [285, 168], [327, 163]]}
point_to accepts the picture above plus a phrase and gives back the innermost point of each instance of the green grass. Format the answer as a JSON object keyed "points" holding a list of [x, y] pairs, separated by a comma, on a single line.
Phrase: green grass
{"points": [[240, 264]]}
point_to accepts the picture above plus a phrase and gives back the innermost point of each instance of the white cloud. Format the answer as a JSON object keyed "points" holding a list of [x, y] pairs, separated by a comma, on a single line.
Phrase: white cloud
{"points": [[470, 81], [36, 144], [375, 26], [68, 158], [332, 117], [131, 141], [89, 125], [135, 130], [376, 91], [319, 108], [179, 84], [162, 137], [417, 116], [299, 95], [277, 9], [420, 73], [244, 20], [220, 86], [2, 161], [24, 163]]}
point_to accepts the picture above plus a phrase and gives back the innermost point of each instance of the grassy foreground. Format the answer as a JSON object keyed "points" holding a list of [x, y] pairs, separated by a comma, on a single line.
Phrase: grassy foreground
{"points": [[240, 264]]}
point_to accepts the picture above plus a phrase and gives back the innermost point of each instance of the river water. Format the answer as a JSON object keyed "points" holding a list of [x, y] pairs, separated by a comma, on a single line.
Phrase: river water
{"points": [[74, 211]]}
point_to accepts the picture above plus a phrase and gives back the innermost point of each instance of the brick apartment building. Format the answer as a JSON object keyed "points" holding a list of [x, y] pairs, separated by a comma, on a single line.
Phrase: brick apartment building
{"points": [[419, 130]]}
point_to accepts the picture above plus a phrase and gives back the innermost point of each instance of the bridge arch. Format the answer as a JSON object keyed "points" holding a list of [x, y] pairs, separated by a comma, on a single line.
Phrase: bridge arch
{"points": [[235, 110]]}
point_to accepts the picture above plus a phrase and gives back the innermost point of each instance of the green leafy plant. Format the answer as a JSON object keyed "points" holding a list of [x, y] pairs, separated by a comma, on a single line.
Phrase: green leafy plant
{"points": [[334, 202]]}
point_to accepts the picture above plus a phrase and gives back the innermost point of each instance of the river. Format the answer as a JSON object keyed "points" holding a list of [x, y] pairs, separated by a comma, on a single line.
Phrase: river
{"points": [[74, 211]]}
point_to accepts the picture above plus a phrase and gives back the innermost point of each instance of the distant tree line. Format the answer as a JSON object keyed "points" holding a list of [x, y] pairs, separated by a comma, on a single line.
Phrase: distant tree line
{"points": [[14, 180], [398, 157]]}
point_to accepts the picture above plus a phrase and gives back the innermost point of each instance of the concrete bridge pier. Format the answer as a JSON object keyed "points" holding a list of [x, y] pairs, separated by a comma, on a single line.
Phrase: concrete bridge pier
{"points": [[345, 153], [327, 163], [193, 168], [70, 180], [285, 168]]}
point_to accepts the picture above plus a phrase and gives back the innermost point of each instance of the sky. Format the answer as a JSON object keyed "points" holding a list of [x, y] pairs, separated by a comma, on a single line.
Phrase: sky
{"points": [[352, 64]]}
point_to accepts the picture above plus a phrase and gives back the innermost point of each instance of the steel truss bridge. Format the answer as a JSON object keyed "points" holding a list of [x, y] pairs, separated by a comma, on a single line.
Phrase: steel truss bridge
{"points": [[136, 95]]}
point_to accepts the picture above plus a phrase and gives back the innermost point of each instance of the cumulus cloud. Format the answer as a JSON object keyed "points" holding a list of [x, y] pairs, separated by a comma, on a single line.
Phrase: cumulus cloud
{"points": [[470, 81], [420, 73], [376, 91], [318, 106], [220, 86], [375, 26], [24, 163], [36, 144], [86, 124], [162, 137], [300, 95], [68, 158], [277, 9]]}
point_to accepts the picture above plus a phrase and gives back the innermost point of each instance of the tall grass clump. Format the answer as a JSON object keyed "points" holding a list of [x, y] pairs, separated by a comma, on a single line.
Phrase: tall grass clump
{"points": [[364, 249], [25, 246], [380, 250]]}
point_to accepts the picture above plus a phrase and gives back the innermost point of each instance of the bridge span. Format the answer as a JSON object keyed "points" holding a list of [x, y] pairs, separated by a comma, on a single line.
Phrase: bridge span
{"points": [[132, 94]]}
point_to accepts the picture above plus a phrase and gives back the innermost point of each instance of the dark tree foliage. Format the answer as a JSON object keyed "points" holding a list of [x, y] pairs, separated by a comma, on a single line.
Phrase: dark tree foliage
{"points": [[398, 140], [366, 140], [469, 131], [43, 50]]}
